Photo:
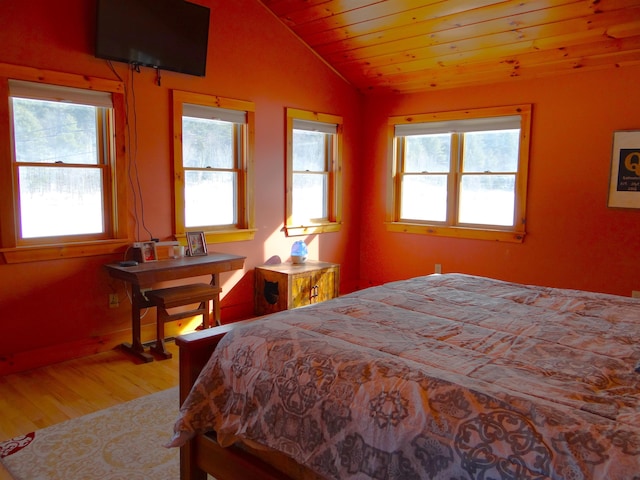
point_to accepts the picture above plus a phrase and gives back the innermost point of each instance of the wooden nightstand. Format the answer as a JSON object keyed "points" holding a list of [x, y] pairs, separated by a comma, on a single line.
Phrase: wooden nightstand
{"points": [[287, 285]]}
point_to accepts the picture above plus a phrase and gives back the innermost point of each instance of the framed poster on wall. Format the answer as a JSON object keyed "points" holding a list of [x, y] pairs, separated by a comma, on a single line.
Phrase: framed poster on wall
{"points": [[624, 180]]}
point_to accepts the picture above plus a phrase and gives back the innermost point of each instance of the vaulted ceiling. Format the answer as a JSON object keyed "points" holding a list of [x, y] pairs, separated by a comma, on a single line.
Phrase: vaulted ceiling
{"points": [[406, 46]]}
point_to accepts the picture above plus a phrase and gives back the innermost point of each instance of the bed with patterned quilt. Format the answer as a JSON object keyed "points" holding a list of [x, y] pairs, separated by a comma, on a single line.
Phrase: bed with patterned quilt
{"points": [[437, 377]]}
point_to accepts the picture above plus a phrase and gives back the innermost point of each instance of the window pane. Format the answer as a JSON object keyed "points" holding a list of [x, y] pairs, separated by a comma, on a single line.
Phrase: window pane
{"points": [[487, 199], [424, 197], [491, 151], [50, 132], [210, 198], [309, 151], [207, 143], [309, 197], [427, 153], [60, 201]]}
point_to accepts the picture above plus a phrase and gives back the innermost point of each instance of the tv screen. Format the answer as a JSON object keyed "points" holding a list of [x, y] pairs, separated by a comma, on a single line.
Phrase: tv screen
{"points": [[164, 34]]}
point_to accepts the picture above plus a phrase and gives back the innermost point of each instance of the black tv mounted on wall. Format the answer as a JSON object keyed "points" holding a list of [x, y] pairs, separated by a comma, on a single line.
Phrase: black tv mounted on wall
{"points": [[163, 34]]}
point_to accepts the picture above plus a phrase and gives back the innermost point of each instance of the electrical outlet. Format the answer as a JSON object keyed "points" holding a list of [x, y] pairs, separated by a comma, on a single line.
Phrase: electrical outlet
{"points": [[635, 293], [114, 301], [438, 268]]}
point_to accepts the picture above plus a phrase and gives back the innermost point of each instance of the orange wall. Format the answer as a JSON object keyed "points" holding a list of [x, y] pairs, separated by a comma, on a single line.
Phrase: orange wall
{"points": [[56, 309], [573, 240]]}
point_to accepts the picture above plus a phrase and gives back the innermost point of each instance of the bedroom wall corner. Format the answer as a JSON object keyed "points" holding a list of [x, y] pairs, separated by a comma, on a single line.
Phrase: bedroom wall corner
{"points": [[573, 239]]}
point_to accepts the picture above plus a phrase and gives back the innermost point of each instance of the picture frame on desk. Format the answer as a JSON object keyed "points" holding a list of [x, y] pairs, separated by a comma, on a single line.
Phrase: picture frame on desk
{"points": [[148, 252], [196, 244]]}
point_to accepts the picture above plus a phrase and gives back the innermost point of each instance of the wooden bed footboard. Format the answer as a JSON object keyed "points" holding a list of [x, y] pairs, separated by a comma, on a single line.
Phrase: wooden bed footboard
{"points": [[195, 350], [203, 455]]}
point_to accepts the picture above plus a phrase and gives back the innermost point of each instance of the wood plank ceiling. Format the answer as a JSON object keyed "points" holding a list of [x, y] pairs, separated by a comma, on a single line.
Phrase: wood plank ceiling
{"points": [[404, 46]]}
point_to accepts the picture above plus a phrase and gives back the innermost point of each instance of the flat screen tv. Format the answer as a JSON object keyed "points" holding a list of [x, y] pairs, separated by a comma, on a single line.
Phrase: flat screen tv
{"points": [[163, 34]]}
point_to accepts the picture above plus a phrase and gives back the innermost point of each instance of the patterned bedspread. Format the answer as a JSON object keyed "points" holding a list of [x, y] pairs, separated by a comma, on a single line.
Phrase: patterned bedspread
{"points": [[437, 377]]}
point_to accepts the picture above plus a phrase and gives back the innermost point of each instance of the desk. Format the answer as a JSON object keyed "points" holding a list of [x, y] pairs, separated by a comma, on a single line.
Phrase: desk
{"points": [[144, 275]]}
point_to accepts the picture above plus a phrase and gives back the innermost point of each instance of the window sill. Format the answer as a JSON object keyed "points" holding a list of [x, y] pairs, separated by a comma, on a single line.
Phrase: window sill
{"points": [[311, 229], [39, 253], [457, 232], [223, 236]]}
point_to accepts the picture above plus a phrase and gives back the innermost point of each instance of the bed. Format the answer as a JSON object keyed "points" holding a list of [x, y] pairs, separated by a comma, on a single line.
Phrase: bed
{"points": [[437, 377]]}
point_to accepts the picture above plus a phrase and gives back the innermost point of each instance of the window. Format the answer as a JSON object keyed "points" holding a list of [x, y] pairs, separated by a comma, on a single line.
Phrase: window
{"points": [[461, 174], [62, 185], [213, 166], [313, 172]]}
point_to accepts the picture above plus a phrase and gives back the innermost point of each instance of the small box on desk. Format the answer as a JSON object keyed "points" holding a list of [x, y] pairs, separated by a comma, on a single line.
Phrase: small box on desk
{"points": [[152, 251]]}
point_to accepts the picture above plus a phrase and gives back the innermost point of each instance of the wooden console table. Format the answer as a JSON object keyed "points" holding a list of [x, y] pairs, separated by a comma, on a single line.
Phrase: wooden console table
{"points": [[144, 275]]}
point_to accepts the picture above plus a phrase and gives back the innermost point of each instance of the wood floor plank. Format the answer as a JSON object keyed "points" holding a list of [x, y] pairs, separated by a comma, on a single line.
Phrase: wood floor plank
{"points": [[45, 396]]}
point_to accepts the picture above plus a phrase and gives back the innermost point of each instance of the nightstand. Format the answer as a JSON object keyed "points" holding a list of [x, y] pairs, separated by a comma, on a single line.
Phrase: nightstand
{"points": [[288, 285]]}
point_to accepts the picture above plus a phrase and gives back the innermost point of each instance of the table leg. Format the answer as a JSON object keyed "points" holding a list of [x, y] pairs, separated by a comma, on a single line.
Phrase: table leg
{"points": [[138, 301], [215, 281]]}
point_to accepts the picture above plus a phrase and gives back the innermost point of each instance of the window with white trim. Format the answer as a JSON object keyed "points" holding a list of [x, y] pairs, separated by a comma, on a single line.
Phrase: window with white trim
{"points": [[61, 185], [461, 174], [213, 165], [313, 172]]}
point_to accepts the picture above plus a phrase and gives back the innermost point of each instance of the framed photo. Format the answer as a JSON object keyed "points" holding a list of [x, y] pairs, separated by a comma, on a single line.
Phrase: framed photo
{"points": [[624, 182], [196, 244], [148, 252]]}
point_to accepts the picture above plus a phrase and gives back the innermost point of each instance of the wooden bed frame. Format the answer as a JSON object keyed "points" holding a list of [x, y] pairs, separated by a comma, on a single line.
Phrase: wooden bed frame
{"points": [[202, 454]]}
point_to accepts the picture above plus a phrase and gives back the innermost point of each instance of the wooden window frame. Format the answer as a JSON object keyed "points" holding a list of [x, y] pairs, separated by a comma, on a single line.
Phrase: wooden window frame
{"points": [[333, 220], [515, 233], [116, 236], [244, 229]]}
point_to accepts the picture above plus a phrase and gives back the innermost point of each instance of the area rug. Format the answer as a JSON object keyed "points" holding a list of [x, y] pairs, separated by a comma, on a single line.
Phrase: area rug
{"points": [[124, 442]]}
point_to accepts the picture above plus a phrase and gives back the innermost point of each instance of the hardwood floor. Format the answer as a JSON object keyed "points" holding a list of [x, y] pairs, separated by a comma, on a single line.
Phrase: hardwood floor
{"points": [[45, 396]]}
